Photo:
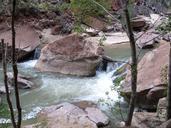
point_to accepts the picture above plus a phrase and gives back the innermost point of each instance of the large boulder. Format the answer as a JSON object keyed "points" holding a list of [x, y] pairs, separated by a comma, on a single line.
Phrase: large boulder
{"points": [[67, 115], [27, 39], [146, 120], [150, 86], [70, 55]]}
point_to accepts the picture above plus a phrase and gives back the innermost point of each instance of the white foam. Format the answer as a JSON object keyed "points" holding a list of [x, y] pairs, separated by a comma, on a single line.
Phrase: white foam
{"points": [[28, 64]]}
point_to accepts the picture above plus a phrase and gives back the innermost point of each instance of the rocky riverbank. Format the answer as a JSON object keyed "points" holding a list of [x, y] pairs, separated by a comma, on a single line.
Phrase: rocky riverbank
{"points": [[51, 34]]}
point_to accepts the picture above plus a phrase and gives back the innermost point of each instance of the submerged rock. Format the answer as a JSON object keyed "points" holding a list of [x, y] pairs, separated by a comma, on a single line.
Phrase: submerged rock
{"points": [[23, 81], [3, 90], [67, 115], [150, 87], [70, 55]]}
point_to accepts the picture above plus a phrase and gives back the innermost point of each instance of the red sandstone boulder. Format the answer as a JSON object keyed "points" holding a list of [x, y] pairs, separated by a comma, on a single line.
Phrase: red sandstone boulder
{"points": [[70, 55], [67, 115], [27, 39], [150, 87]]}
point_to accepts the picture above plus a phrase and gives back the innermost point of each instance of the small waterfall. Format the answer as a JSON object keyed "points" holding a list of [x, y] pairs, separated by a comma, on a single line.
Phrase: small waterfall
{"points": [[36, 53], [28, 64]]}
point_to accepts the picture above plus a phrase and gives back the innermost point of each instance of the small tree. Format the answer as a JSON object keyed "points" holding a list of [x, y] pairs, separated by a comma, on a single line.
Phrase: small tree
{"points": [[16, 124], [14, 65], [133, 66], [4, 61]]}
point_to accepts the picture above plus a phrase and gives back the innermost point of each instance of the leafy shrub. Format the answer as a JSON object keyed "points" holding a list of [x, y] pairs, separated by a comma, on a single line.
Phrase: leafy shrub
{"points": [[88, 7], [64, 6], [82, 9], [164, 74], [4, 112], [165, 27]]}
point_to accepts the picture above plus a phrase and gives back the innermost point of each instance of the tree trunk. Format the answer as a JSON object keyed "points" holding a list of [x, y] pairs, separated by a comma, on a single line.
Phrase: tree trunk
{"points": [[14, 65], [133, 67], [4, 61], [169, 89]]}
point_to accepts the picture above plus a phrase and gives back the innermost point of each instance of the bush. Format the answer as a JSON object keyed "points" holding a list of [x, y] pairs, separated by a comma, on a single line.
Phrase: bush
{"points": [[83, 9], [4, 111], [89, 8], [165, 27]]}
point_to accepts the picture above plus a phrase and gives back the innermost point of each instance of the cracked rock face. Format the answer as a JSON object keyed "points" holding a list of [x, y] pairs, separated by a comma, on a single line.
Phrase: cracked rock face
{"points": [[67, 115]]}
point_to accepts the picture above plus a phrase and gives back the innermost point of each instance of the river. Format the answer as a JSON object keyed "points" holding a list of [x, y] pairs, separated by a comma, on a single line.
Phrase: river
{"points": [[54, 88]]}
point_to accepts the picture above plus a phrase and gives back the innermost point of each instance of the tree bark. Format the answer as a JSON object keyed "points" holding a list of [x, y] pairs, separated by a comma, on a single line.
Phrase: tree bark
{"points": [[4, 61], [133, 67], [169, 89], [14, 65]]}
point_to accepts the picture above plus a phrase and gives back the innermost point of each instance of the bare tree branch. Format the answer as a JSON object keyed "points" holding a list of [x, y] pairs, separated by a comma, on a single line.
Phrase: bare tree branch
{"points": [[14, 65], [4, 59], [133, 67]]}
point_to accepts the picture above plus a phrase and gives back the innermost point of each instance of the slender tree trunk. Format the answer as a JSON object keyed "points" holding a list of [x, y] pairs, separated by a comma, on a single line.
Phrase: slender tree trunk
{"points": [[169, 89], [4, 59], [133, 67], [14, 65]]}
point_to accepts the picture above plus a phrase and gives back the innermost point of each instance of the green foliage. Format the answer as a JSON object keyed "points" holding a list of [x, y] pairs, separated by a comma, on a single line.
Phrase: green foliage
{"points": [[164, 75], [165, 27], [115, 106], [6, 125], [101, 41], [64, 6], [118, 80], [4, 111], [78, 28], [88, 7], [46, 6], [4, 7], [82, 9]]}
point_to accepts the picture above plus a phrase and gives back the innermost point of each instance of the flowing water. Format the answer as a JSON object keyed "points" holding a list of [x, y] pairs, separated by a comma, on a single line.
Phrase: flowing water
{"points": [[54, 88]]}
